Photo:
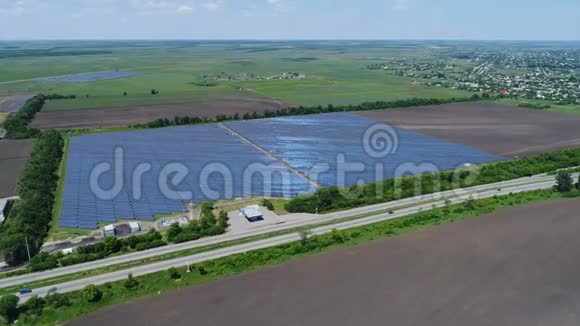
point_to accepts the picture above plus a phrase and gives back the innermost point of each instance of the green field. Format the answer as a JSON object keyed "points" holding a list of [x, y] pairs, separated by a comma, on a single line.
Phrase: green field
{"points": [[335, 73], [566, 109]]}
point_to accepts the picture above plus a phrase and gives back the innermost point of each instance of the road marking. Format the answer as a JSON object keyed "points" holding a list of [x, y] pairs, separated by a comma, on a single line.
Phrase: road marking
{"points": [[268, 153]]}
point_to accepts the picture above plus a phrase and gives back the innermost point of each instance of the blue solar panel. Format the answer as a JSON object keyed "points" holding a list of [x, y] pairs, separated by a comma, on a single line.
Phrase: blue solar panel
{"points": [[305, 141], [194, 147], [300, 142]]}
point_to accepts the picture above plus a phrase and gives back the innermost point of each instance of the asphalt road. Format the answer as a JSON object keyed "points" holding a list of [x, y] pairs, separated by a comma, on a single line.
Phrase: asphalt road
{"points": [[517, 266], [136, 256], [279, 240]]}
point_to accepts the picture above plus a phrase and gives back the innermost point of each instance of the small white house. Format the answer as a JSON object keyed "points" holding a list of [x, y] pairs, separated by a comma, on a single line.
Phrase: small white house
{"points": [[135, 227], [109, 231]]}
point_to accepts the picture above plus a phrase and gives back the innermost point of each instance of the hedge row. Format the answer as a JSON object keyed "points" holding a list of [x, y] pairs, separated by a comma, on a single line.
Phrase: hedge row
{"points": [[30, 218], [16, 124], [301, 110]]}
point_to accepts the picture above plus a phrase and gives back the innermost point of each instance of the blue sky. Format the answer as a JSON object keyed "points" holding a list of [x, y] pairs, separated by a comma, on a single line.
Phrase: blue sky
{"points": [[290, 19]]}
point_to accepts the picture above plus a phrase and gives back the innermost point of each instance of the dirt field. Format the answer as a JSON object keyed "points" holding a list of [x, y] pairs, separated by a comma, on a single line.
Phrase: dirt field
{"points": [[516, 267], [495, 128], [13, 157], [13, 103], [95, 118]]}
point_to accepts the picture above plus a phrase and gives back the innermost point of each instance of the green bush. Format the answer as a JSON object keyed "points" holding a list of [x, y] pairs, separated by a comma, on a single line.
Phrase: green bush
{"points": [[42, 262], [564, 181], [131, 283], [9, 307], [268, 204], [92, 294], [174, 274]]}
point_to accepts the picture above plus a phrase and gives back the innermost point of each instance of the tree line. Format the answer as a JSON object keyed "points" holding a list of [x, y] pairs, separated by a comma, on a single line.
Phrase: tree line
{"points": [[29, 219], [302, 110], [17, 124], [335, 198]]}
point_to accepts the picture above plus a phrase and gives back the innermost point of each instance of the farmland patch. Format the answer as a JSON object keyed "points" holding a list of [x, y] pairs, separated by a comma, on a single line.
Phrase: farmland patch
{"points": [[500, 129], [13, 157]]}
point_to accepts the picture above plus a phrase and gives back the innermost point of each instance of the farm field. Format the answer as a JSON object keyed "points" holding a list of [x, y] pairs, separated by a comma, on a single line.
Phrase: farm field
{"points": [[115, 117], [501, 129], [330, 73], [13, 157], [12, 103], [504, 268]]}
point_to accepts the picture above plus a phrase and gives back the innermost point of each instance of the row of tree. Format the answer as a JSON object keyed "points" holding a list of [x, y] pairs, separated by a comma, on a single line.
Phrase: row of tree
{"points": [[301, 110], [17, 124], [335, 198], [30, 218]]}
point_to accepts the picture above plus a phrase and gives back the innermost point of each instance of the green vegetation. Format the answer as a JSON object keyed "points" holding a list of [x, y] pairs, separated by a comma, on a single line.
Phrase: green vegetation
{"points": [[207, 226], [296, 111], [564, 182], [268, 204], [333, 69], [537, 106], [335, 198], [85, 301], [112, 246], [30, 219], [16, 124]]}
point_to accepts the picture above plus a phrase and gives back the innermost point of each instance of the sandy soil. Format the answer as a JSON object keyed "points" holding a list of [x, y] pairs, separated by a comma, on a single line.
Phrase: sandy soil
{"points": [[94, 118], [13, 157], [516, 267], [499, 129]]}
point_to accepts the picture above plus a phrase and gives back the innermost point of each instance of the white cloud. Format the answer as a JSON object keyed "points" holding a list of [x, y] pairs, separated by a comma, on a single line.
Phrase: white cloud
{"points": [[184, 9], [212, 5], [400, 4], [17, 9], [152, 7], [282, 5]]}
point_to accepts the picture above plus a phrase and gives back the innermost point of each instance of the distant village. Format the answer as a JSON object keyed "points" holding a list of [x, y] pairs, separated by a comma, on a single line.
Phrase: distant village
{"points": [[543, 75]]}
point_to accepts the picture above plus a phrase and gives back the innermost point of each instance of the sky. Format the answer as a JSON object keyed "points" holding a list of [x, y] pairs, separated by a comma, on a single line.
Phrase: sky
{"points": [[290, 19]]}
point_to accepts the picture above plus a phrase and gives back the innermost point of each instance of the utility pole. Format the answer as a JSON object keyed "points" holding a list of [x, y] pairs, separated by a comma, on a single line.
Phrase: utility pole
{"points": [[27, 248]]}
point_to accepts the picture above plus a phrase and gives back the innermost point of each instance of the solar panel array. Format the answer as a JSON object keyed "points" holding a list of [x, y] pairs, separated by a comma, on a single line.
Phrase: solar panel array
{"points": [[89, 77], [301, 142], [193, 146], [305, 141]]}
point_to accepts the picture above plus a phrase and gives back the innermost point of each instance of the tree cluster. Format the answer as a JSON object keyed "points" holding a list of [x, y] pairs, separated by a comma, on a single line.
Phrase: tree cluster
{"points": [[207, 225], [30, 218], [111, 246]]}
